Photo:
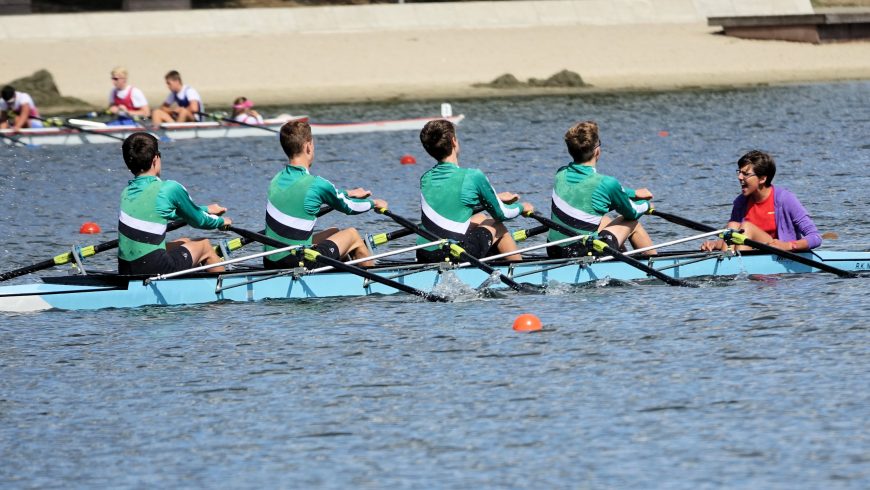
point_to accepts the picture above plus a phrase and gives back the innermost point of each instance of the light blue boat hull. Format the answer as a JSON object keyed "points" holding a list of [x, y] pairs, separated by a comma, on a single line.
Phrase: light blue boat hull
{"points": [[254, 287]]}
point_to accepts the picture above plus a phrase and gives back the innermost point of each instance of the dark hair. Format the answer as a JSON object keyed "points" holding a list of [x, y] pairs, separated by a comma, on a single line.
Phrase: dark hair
{"points": [[762, 164], [437, 138], [8, 92], [582, 140], [173, 75], [294, 135], [139, 150]]}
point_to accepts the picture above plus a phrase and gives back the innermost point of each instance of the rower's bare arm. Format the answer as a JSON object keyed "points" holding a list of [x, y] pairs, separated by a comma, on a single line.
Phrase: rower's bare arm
{"points": [[508, 197], [643, 194]]}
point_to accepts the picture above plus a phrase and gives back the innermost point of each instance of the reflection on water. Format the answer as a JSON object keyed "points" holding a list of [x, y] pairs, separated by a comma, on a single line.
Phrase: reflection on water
{"points": [[750, 381]]}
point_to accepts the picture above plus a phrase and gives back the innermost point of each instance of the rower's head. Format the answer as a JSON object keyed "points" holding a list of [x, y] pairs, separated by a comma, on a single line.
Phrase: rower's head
{"points": [[141, 153], [583, 141], [756, 169], [173, 81], [241, 104], [296, 140], [8, 94], [439, 139], [119, 77]]}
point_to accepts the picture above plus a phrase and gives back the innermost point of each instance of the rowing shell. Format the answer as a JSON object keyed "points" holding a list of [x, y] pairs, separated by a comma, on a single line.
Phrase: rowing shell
{"points": [[210, 129], [112, 291]]}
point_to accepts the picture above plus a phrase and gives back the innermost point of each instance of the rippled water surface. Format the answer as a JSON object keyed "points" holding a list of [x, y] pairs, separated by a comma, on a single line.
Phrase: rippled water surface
{"points": [[749, 382]]}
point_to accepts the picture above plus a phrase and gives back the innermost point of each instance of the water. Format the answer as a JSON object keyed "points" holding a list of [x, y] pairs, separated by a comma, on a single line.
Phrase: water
{"points": [[750, 382]]}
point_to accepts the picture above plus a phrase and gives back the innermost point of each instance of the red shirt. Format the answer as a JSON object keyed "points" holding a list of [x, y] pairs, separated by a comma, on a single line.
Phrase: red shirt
{"points": [[761, 214]]}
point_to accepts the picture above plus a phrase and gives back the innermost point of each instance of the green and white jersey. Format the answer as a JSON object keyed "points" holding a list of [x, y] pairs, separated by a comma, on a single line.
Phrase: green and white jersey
{"points": [[581, 196], [295, 197], [449, 195], [147, 205]]}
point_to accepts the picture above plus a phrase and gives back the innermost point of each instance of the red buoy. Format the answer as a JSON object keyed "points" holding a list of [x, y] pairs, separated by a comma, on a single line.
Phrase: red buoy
{"points": [[90, 228], [664, 134], [408, 160], [527, 323]]}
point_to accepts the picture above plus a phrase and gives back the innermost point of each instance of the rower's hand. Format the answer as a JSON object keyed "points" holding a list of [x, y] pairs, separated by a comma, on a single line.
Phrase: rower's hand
{"points": [[508, 197], [114, 109], [359, 193], [643, 194], [216, 209], [711, 245], [528, 209], [227, 221], [380, 204]]}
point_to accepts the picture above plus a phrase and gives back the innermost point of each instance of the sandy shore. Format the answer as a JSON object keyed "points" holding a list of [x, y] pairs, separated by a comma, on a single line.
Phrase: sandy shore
{"points": [[431, 64]]}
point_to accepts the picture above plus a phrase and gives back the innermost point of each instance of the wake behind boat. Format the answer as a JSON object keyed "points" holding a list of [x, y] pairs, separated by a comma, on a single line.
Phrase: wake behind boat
{"points": [[91, 132]]}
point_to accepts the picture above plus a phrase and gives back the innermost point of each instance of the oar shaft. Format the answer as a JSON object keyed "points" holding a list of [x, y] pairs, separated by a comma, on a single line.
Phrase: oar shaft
{"points": [[66, 124], [240, 123], [317, 257], [616, 254], [67, 257], [739, 238]]}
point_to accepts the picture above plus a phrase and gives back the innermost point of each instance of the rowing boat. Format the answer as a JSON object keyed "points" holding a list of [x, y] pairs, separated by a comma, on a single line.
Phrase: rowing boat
{"points": [[101, 133], [105, 290]]}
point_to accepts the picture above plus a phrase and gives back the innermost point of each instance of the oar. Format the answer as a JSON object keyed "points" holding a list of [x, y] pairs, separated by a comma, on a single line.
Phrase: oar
{"points": [[314, 256], [218, 117], [15, 140], [66, 124], [382, 238], [603, 247], [66, 258], [741, 239], [461, 254]]}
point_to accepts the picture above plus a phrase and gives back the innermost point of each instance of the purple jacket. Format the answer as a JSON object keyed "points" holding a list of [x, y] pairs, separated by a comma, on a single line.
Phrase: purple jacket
{"points": [[792, 220]]}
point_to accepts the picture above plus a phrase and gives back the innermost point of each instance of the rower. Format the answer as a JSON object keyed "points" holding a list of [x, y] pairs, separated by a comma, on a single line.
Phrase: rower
{"points": [[773, 216], [449, 196], [296, 196], [19, 108], [148, 204], [244, 113], [582, 197], [181, 105], [126, 101]]}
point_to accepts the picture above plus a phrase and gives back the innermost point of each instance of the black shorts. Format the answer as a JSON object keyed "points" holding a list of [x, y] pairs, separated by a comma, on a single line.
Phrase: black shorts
{"points": [[578, 249], [158, 262], [327, 248], [477, 242]]}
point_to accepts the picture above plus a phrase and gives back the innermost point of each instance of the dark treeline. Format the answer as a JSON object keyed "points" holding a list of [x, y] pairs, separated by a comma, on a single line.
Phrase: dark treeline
{"points": [[62, 6]]}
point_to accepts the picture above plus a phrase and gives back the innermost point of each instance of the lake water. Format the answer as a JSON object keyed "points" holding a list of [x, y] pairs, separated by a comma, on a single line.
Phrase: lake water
{"points": [[751, 382]]}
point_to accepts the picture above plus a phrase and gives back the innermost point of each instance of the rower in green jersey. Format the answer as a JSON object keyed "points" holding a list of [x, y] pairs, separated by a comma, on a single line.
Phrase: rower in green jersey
{"points": [[295, 197], [449, 195], [582, 197], [148, 204]]}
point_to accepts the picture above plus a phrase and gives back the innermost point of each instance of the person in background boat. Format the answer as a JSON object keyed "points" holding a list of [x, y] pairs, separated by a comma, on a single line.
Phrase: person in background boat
{"points": [[148, 204], [181, 105], [295, 198], [126, 102], [243, 112], [582, 197], [768, 214], [449, 196], [19, 108]]}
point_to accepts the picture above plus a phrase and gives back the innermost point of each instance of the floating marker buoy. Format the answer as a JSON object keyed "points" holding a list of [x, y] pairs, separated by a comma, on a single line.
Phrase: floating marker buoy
{"points": [[90, 228], [527, 323], [408, 160], [664, 134]]}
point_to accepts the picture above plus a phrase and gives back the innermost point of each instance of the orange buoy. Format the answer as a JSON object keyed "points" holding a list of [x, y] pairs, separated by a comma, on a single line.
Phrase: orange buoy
{"points": [[664, 133], [90, 228], [408, 160], [527, 323]]}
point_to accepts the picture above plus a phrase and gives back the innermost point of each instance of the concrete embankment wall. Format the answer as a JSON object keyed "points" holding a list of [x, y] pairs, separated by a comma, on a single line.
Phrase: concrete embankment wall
{"points": [[417, 16]]}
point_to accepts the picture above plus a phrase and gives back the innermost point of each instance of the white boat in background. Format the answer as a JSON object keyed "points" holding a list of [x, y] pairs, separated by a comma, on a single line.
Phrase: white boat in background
{"points": [[91, 132]]}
